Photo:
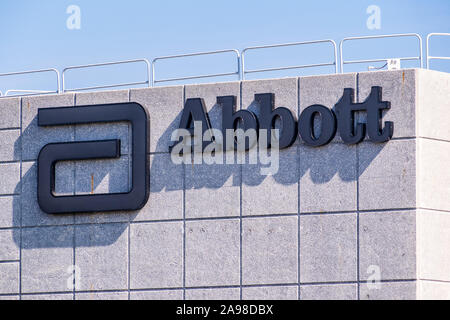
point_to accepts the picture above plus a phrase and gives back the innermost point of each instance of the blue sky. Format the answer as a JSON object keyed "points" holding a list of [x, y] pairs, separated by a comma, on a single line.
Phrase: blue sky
{"points": [[34, 35]]}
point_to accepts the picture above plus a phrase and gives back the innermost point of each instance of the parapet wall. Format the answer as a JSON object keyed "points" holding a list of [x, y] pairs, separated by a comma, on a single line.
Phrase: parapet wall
{"points": [[363, 221]]}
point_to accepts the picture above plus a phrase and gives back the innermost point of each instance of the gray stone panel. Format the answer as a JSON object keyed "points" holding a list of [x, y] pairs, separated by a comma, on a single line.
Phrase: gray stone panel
{"points": [[10, 145], [213, 294], [325, 90], [164, 106], [104, 131], [269, 250], [156, 253], [433, 174], [101, 254], [32, 215], [102, 296], [328, 178], [387, 175], [433, 103], [433, 254], [166, 190], [47, 259], [217, 262], [328, 248], [402, 290], [9, 211], [387, 240], [9, 113], [270, 293], [329, 292], [9, 249], [10, 173], [34, 137], [399, 87], [213, 190], [272, 194], [157, 295], [9, 278]]}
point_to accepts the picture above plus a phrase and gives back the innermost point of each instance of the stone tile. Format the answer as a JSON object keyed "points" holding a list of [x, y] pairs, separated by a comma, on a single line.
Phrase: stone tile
{"points": [[104, 131], [9, 245], [52, 296], [329, 292], [9, 278], [166, 190], [433, 254], [387, 175], [328, 248], [272, 194], [157, 295], [101, 97], [269, 250], [433, 174], [212, 253], [285, 90], [325, 90], [32, 215], [212, 190], [209, 93], [387, 240], [9, 297], [399, 87], [156, 254], [47, 259], [34, 137], [9, 113], [10, 173], [434, 290], [102, 296], [101, 253], [433, 102], [404, 290], [9, 211], [164, 105], [328, 178], [270, 293], [9, 145], [103, 176], [213, 294]]}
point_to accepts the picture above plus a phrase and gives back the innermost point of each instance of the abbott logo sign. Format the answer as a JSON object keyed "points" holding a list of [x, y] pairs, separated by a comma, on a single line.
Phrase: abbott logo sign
{"points": [[135, 199], [342, 119]]}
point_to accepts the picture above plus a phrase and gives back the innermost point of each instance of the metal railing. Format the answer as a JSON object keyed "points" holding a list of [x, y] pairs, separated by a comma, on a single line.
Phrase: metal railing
{"points": [[343, 62], [240, 57], [154, 80], [33, 92], [147, 82], [244, 72], [428, 48]]}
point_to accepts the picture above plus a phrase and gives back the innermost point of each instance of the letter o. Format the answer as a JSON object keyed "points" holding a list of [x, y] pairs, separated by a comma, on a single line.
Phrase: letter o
{"points": [[306, 125]]}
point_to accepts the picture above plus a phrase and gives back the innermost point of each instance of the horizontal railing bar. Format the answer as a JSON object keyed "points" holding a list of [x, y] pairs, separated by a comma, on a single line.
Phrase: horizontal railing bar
{"points": [[197, 77], [195, 54], [289, 44], [378, 60], [154, 80], [101, 64], [291, 67], [105, 64], [439, 58], [107, 86]]}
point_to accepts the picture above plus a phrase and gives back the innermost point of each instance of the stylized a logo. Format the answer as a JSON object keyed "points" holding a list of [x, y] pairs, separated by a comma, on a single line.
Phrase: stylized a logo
{"points": [[51, 153]]}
